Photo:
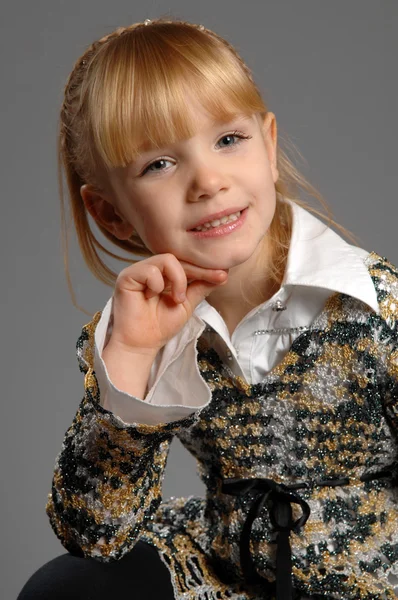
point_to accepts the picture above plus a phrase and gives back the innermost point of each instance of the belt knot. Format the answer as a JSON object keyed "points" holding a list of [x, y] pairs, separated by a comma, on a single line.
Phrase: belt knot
{"points": [[278, 499]]}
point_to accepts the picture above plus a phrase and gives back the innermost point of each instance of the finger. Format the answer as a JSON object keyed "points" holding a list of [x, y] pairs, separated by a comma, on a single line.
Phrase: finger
{"points": [[141, 277], [180, 271], [180, 274], [194, 272], [175, 273], [174, 277], [150, 294], [165, 292], [159, 273]]}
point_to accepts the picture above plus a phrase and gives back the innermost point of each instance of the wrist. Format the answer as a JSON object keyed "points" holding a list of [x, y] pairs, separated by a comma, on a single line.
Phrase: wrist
{"points": [[128, 368], [115, 347]]}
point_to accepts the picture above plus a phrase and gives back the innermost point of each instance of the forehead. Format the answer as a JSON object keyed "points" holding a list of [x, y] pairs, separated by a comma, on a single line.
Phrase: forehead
{"points": [[199, 113]]}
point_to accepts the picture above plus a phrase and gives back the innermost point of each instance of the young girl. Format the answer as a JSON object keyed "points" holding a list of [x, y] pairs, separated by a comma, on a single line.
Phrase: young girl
{"points": [[249, 329]]}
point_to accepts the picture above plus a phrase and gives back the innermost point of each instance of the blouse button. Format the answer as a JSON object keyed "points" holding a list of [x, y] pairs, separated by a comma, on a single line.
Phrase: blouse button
{"points": [[278, 306], [229, 355]]}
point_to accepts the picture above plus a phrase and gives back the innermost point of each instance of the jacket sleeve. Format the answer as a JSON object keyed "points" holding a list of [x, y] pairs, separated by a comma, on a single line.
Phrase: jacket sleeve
{"points": [[389, 378], [385, 277], [108, 474]]}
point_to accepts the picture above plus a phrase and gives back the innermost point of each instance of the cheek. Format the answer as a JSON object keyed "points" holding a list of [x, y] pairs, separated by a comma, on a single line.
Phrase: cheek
{"points": [[258, 173], [153, 231], [263, 187]]}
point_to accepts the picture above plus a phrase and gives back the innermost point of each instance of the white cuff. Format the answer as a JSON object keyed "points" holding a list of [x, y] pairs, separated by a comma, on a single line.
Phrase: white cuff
{"points": [[176, 388]]}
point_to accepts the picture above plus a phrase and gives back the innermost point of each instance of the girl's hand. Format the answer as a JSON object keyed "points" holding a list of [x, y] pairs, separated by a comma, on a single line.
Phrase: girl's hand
{"points": [[154, 298]]}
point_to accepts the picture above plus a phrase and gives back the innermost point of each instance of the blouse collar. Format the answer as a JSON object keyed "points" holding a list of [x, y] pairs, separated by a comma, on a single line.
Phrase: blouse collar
{"points": [[319, 257]]}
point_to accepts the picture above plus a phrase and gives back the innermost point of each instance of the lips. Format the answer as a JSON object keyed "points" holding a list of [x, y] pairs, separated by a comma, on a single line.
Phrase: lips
{"points": [[218, 215]]}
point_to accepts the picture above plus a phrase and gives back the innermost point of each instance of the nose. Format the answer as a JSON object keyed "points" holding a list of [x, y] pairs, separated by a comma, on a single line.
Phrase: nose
{"points": [[207, 180]]}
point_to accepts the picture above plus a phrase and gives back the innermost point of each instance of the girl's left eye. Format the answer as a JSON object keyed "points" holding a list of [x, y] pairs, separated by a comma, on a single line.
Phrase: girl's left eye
{"points": [[236, 134]]}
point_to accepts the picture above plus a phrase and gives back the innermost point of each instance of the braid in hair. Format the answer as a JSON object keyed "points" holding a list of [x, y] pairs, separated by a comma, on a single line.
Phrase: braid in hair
{"points": [[73, 86]]}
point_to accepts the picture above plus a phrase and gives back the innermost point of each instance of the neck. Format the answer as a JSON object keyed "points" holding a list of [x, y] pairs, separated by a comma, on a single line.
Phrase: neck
{"points": [[248, 286]]}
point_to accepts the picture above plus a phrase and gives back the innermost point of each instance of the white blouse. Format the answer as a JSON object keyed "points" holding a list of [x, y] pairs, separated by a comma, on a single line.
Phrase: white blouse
{"points": [[319, 263]]}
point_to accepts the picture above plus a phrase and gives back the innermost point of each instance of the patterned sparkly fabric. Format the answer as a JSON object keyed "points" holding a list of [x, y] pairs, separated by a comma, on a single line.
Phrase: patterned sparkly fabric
{"points": [[328, 411]]}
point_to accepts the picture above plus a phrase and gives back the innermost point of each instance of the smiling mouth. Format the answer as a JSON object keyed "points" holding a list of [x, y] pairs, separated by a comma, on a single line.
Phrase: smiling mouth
{"points": [[217, 222]]}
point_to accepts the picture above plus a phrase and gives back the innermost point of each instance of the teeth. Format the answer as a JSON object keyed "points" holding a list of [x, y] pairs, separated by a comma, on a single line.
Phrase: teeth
{"points": [[217, 222]]}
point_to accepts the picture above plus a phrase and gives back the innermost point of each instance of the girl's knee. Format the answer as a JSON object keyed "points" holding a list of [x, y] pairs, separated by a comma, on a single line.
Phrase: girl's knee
{"points": [[139, 575], [60, 578]]}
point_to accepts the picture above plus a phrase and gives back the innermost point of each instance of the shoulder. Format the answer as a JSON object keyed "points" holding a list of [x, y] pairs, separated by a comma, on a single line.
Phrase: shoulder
{"points": [[384, 275], [378, 265]]}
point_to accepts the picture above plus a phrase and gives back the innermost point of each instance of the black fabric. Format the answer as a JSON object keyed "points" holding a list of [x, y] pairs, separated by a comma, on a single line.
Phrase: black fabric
{"points": [[140, 575]]}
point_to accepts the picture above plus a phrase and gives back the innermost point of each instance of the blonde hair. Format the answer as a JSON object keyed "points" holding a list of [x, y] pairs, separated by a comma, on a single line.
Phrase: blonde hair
{"points": [[126, 94]]}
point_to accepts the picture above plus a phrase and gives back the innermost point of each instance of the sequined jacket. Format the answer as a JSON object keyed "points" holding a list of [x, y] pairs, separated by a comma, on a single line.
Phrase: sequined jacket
{"points": [[327, 413]]}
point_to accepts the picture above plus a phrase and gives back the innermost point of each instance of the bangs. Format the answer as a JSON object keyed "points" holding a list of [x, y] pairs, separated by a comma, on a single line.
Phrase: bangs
{"points": [[139, 86]]}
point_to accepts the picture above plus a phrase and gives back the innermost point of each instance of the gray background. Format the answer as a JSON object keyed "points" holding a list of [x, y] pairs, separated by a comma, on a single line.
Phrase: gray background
{"points": [[329, 72]]}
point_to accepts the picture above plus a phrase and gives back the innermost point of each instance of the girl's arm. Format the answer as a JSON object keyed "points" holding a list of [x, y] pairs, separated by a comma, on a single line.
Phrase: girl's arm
{"points": [[107, 480], [108, 475]]}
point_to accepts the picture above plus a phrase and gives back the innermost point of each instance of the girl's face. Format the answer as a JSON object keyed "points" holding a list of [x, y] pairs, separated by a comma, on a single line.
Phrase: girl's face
{"points": [[224, 168]]}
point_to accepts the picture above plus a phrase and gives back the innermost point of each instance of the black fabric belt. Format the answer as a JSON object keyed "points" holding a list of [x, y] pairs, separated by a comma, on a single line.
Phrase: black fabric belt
{"points": [[278, 498]]}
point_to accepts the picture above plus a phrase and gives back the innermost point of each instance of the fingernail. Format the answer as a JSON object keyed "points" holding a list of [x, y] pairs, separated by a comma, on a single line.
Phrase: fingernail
{"points": [[181, 297]]}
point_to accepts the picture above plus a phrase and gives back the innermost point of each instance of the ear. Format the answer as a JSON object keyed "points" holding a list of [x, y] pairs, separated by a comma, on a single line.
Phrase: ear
{"points": [[100, 207], [270, 133]]}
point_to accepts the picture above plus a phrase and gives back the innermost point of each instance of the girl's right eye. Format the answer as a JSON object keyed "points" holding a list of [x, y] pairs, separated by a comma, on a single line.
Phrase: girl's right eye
{"points": [[158, 161]]}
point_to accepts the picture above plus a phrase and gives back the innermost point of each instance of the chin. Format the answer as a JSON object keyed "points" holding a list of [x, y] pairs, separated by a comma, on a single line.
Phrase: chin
{"points": [[226, 262]]}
